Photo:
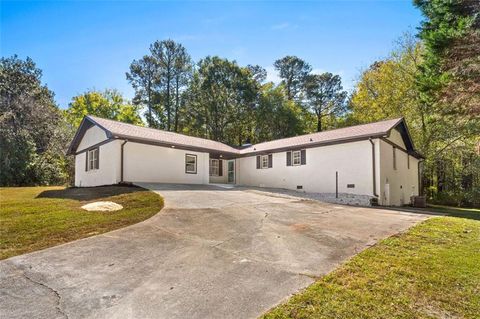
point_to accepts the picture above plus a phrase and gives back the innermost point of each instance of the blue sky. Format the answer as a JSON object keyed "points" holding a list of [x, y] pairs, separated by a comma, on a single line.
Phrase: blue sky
{"points": [[90, 44]]}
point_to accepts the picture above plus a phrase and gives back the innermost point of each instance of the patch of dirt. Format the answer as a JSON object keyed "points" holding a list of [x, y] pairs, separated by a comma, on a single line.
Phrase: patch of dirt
{"points": [[102, 206]]}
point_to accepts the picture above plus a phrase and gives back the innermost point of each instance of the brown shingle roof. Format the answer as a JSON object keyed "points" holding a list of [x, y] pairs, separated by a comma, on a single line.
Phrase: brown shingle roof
{"points": [[117, 129], [130, 131], [341, 134]]}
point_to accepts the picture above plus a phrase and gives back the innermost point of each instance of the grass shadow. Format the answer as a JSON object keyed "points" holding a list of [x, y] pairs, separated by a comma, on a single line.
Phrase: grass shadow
{"points": [[435, 210], [89, 193], [468, 213]]}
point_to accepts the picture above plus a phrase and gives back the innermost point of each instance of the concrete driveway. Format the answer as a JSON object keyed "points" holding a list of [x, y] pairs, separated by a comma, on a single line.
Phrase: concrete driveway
{"points": [[210, 253]]}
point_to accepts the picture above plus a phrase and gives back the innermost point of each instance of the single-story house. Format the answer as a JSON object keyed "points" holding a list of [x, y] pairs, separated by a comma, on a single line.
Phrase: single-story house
{"points": [[376, 161]]}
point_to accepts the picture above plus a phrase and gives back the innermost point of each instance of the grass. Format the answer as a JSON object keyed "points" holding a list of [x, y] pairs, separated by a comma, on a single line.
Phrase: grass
{"points": [[34, 218], [472, 213], [430, 271]]}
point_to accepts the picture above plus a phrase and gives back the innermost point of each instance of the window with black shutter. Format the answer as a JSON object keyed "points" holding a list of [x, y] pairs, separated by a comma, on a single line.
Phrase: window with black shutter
{"points": [[296, 158]]}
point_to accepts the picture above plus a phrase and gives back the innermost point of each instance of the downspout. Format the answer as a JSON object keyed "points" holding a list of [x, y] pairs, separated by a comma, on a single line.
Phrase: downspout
{"points": [[420, 177], [373, 168], [121, 160]]}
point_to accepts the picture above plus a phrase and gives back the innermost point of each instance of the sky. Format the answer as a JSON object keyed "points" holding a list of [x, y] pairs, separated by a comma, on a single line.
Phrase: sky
{"points": [[83, 45]]}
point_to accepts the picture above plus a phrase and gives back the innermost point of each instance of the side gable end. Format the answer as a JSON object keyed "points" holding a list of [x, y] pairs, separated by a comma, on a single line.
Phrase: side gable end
{"points": [[401, 127], [86, 124]]}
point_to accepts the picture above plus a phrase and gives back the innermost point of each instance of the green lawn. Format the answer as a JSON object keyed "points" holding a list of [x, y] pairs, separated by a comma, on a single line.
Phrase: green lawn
{"points": [[430, 271], [473, 213], [33, 218]]}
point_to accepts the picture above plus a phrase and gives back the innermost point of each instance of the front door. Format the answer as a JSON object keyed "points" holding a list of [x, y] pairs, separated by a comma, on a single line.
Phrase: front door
{"points": [[231, 171]]}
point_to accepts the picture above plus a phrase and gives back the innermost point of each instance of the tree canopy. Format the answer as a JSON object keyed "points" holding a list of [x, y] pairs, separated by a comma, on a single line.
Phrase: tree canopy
{"points": [[109, 104], [159, 80], [294, 72], [33, 134], [325, 95]]}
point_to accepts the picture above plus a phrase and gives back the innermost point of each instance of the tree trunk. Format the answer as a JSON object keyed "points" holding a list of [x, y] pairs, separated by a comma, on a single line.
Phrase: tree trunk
{"points": [[177, 100], [319, 123], [149, 93], [168, 99]]}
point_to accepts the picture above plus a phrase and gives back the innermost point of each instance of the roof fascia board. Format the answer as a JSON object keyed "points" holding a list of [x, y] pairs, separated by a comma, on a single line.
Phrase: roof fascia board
{"points": [[313, 145], [402, 122], [78, 136], [72, 149], [95, 146], [109, 134], [173, 145], [412, 153]]}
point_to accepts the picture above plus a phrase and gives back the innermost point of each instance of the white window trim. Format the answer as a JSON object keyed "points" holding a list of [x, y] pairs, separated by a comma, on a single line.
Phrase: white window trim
{"points": [[263, 162], [299, 158], [214, 169], [92, 159], [194, 171]]}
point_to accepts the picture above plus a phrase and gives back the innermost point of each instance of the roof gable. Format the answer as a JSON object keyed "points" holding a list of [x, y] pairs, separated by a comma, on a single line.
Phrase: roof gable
{"points": [[86, 123], [407, 139]]}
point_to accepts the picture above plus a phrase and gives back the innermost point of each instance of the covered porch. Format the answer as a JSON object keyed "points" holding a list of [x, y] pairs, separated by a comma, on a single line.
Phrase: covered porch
{"points": [[221, 169]]}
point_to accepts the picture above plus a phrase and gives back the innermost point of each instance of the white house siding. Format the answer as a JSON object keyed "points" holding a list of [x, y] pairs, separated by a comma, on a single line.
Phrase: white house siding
{"points": [[352, 161], [92, 136], [150, 163], [109, 166], [401, 182]]}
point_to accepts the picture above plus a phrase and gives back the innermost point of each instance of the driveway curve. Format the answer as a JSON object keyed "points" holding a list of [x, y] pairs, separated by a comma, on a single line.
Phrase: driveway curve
{"points": [[212, 252]]}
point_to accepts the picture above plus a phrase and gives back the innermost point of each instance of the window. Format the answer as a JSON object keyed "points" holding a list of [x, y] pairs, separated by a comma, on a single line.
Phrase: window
{"points": [[408, 161], [394, 158], [190, 164], [214, 167], [264, 161], [92, 159], [296, 156]]}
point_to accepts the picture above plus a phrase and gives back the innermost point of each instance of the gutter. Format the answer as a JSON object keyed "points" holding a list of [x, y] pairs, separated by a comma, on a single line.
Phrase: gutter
{"points": [[373, 168], [121, 160], [420, 177]]}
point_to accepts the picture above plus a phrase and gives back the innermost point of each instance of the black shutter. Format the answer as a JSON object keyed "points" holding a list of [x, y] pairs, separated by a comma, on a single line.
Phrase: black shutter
{"points": [[86, 161], [220, 168], [258, 162], [270, 160], [289, 158], [303, 157], [97, 163]]}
